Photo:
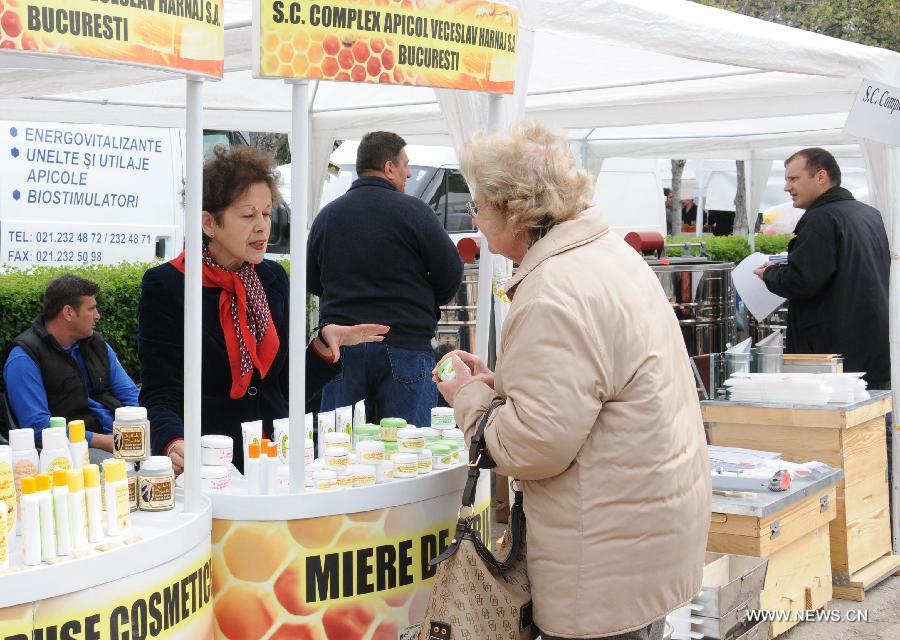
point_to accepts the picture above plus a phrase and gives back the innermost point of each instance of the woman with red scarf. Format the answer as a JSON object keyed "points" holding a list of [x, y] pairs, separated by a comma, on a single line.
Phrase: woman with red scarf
{"points": [[245, 316]]}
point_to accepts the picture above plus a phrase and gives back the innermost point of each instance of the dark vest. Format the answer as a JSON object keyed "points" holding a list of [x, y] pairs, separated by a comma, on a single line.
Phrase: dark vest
{"points": [[67, 392]]}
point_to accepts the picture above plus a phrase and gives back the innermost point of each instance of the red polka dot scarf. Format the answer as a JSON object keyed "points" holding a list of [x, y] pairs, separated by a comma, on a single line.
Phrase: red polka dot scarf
{"points": [[250, 335]]}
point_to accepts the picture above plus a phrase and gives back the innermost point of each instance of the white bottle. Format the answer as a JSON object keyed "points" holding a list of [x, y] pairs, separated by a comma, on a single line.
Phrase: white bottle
{"points": [[30, 523], [264, 467], [93, 498], [55, 454], [252, 471], [78, 446], [271, 462], [26, 462], [77, 509], [61, 512], [48, 526], [115, 497]]}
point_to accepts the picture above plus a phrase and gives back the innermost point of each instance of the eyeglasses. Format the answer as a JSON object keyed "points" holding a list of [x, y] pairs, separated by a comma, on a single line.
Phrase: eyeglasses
{"points": [[472, 209]]}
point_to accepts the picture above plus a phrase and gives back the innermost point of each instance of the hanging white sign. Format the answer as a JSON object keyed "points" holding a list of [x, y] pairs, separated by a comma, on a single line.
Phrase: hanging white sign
{"points": [[875, 114]]}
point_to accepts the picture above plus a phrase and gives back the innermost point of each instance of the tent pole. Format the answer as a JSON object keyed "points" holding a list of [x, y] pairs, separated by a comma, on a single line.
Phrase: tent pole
{"points": [[297, 330], [193, 291], [485, 261]]}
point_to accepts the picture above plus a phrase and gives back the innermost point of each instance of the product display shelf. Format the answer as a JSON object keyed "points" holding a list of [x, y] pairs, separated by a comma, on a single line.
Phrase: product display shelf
{"points": [[849, 437], [790, 529], [350, 563], [154, 540]]}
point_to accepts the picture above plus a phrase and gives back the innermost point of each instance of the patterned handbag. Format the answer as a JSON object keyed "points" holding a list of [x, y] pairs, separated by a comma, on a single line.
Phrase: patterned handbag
{"points": [[478, 595]]}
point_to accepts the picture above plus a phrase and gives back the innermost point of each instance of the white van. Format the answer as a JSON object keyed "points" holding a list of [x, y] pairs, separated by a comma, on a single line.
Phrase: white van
{"points": [[73, 194]]}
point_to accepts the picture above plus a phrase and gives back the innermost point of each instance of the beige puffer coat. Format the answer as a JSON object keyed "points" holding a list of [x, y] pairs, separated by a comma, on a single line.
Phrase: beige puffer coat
{"points": [[602, 426]]}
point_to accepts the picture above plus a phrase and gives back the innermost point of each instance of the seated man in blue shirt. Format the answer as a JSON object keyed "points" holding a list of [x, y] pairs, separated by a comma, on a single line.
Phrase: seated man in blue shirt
{"points": [[61, 367]]}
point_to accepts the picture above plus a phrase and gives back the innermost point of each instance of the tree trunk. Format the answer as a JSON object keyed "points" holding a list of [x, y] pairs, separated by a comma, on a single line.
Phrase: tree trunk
{"points": [[268, 142], [677, 171], [741, 223]]}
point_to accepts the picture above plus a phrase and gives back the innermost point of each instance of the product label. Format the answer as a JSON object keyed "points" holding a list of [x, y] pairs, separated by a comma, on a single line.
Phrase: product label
{"points": [[337, 462], [123, 508], [132, 493], [8, 494], [417, 443], [24, 469], [86, 458], [363, 481], [410, 468], [283, 449], [60, 463], [345, 481], [325, 485], [425, 465], [4, 539], [337, 447], [157, 494], [447, 460], [130, 442], [373, 456]]}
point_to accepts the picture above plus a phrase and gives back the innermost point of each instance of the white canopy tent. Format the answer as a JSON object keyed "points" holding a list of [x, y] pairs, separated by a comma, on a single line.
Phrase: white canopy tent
{"points": [[593, 63]]}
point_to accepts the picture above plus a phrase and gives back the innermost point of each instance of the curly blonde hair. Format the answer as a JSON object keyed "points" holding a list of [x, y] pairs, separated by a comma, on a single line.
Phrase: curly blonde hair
{"points": [[529, 173]]}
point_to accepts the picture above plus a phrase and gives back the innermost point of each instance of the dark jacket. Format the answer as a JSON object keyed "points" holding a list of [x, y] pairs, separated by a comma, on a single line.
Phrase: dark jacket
{"points": [[160, 346], [67, 391], [377, 255], [836, 280]]}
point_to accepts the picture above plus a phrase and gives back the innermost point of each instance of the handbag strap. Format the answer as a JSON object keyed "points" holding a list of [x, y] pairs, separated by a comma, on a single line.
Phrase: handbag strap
{"points": [[479, 457]]}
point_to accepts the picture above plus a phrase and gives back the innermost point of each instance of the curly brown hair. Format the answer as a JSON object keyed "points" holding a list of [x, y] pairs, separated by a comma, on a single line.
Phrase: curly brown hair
{"points": [[230, 172]]}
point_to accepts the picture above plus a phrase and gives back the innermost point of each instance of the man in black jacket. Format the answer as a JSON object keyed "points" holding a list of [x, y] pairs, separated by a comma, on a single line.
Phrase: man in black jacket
{"points": [[376, 255], [61, 367], [836, 276]]}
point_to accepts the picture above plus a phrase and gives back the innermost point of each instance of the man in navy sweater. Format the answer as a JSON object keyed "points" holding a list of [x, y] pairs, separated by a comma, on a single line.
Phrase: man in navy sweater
{"points": [[378, 255]]}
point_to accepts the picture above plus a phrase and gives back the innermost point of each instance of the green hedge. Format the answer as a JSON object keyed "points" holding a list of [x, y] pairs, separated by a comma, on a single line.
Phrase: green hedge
{"points": [[120, 290], [732, 248]]}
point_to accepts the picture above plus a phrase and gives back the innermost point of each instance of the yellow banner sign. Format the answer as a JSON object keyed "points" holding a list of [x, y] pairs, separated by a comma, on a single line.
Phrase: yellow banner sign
{"points": [[169, 602], [186, 35], [468, 44]]}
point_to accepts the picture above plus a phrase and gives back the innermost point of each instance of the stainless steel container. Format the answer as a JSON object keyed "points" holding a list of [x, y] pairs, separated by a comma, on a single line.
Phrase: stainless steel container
{"points": [[456, 326], [776, 321], [731, 588], [702, 296]]}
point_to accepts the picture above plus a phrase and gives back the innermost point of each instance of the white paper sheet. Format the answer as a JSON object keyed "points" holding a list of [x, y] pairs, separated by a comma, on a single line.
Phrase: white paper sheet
{"points": [[759, 300]]}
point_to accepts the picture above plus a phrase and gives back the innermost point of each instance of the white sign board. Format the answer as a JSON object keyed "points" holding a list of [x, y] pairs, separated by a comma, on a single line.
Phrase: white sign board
{"points": [[875, 114], [82, 194]]}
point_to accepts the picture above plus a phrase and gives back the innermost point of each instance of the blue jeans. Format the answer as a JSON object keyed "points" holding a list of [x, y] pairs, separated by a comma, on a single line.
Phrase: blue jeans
{"points": [[394, 382]]}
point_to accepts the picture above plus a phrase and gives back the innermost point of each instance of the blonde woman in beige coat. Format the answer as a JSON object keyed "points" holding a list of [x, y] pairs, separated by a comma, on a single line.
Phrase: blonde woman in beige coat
{"points": [[601, 423]]}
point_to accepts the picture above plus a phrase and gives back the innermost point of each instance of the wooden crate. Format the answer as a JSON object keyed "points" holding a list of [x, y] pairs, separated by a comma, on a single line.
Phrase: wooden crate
{"points": [[850, 438], [796, 542]]}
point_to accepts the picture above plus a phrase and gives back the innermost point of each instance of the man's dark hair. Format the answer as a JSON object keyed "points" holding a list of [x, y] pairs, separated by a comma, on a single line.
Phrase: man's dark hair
{"points": [[818, 160], [376, 148], [666, 191], [66, 290]]}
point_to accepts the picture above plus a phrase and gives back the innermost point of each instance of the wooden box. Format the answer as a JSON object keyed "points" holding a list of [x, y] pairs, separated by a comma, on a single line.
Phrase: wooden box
{"points": [[791, 530], [847, 437]]}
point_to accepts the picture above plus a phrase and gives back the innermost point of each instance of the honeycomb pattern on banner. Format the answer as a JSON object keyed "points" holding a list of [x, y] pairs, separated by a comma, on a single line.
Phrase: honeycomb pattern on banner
{"points": [[258, 577], [362, 57]]}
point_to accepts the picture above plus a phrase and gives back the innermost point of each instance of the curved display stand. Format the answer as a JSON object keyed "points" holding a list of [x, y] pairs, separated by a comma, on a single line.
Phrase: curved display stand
{"points": [[156, 580], [350, 564]]}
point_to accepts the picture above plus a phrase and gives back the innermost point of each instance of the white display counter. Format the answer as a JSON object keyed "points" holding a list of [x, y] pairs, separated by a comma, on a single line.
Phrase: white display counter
{"points": [[350, 564], [157, 577]]}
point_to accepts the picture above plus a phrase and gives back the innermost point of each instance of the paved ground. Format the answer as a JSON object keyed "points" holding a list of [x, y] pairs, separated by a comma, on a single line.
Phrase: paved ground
{"points": [[882, 605]]}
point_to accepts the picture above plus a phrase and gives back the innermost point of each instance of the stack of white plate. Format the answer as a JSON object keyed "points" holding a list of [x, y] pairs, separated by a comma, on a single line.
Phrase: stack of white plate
{"points": [[797, 388]]}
